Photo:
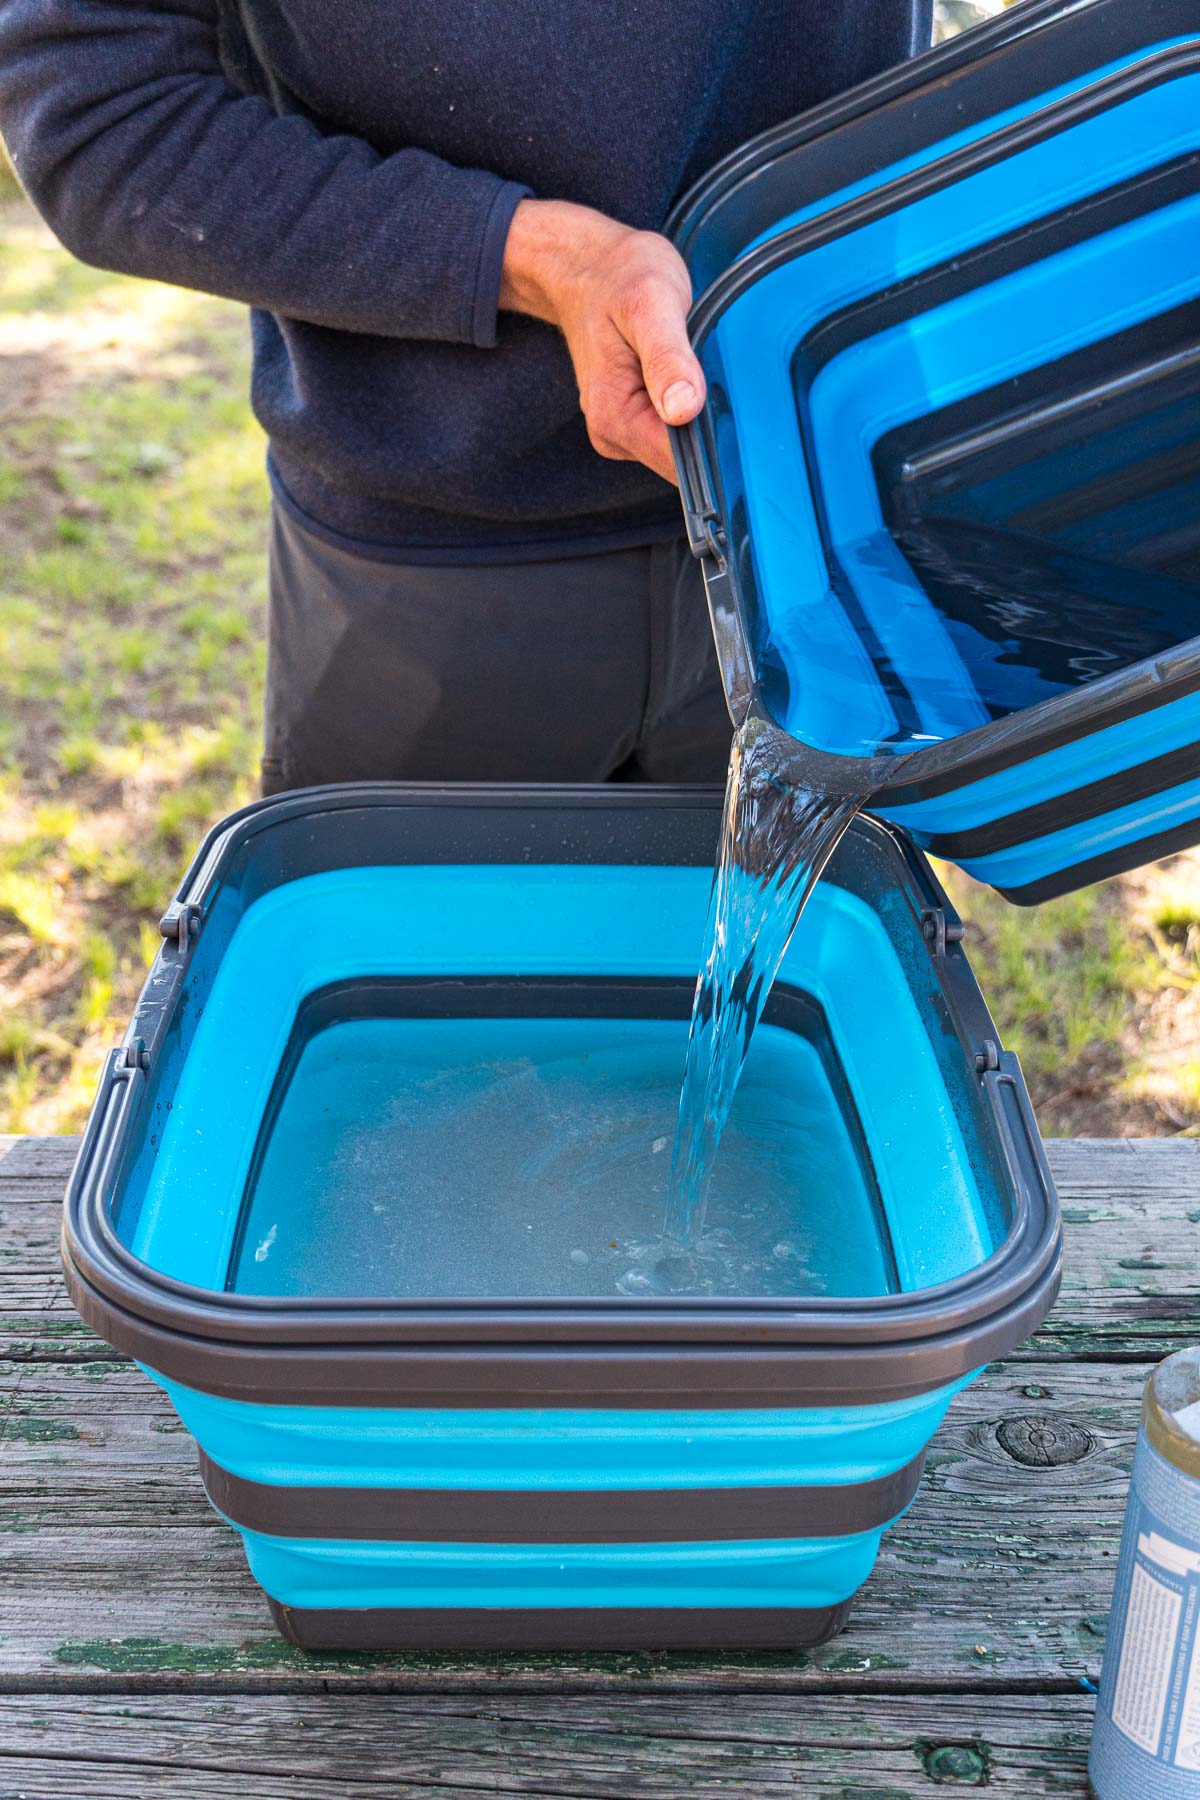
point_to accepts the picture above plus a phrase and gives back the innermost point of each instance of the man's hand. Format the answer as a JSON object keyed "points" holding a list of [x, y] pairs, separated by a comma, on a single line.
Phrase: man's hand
{"points": [[620, 298]]}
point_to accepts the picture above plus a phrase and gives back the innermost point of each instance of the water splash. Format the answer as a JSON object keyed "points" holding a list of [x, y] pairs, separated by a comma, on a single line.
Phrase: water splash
{"points": [[776, 838]]}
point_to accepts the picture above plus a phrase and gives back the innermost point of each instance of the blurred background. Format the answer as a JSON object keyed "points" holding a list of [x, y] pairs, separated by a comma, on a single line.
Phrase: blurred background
{"points": [[132, 585]]}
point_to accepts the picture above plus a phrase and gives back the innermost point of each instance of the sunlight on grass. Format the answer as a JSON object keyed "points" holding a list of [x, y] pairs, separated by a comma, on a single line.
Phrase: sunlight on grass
{"points": [[10, 187], [1176, 913], [953, 16], [1087, 994], [133, 505], [1063, 974], [31, 903], [99, 960]]}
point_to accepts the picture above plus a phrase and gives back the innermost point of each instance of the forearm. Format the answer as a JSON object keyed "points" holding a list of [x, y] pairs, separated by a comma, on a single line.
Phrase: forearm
{"points": [[143, 158]]}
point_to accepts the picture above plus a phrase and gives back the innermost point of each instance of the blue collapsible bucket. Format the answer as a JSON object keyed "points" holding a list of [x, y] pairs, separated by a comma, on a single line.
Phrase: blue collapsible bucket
{"points": [[945, 488], [484, 1468]]}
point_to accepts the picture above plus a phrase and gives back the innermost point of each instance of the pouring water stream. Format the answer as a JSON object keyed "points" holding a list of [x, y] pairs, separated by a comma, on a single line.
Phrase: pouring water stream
{"points": [[776, 838]]}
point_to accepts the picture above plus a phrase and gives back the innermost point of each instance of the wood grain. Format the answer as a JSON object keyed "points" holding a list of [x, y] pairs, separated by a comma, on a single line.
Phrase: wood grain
{"points": [[564, 1748]]}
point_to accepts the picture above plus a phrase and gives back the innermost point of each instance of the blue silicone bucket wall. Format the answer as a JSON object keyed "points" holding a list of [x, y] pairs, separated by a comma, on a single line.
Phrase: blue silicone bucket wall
{"points": [[380, 1282], [946, 486]]}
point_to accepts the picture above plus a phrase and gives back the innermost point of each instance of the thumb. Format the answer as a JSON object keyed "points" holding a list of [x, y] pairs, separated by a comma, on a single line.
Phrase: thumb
{"points": [[683, 394], [673, 378]]}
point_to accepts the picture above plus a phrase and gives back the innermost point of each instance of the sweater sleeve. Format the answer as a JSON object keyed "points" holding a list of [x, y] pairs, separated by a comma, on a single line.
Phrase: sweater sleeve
{"points": [[144, 158]]}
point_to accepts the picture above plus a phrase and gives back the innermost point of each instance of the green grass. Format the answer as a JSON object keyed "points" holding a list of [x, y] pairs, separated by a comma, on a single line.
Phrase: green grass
{"points": [[1178, 918], [10, 187], [1066, 971], [132, 568]]}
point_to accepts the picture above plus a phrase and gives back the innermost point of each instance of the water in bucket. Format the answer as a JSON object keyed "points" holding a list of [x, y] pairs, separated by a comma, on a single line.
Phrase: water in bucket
{"points": [[530, 1156]]}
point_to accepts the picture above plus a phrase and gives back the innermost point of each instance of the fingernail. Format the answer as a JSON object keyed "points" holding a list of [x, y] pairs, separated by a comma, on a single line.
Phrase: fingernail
{"points": [[679, 397]]}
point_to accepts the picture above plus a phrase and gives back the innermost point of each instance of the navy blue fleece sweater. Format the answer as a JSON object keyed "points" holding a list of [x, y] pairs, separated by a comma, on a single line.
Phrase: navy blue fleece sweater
{"points": [[350, 167]]}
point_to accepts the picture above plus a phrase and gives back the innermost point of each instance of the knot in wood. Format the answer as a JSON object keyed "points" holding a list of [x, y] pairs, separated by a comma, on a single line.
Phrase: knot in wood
{"points": [[965, 1763], [1043, 1440]]}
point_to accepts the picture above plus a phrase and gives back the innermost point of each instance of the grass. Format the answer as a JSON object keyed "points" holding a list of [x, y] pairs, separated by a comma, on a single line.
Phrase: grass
{"points": [[132, 577], [1099, 994], [1068, 982], [10, 187], [132, 501]]}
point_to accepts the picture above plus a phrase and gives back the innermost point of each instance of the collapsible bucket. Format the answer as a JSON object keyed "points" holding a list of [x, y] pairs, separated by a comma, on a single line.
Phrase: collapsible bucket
{"points": [[448, 1458], [945, 489]]}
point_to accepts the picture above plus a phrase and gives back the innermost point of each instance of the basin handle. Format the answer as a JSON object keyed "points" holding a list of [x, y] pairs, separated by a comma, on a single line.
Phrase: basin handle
{"points": [[112, 1112], [1021, 1141]]}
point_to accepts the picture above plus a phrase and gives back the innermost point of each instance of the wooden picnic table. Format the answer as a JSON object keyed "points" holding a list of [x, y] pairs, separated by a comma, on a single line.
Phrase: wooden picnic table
{"points": [[138, 1661]]}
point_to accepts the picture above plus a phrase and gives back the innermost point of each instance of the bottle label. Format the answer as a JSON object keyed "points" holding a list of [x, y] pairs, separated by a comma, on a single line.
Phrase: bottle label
{"points": [[1147, 1735]]}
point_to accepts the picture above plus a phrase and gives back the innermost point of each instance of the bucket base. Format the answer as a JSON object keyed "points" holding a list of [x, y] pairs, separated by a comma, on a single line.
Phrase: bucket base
{"points": [[597, 1628]]}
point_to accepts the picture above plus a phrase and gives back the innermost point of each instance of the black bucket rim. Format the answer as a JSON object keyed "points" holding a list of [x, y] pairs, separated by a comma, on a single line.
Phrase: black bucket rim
{"points": [[198, 1336]]}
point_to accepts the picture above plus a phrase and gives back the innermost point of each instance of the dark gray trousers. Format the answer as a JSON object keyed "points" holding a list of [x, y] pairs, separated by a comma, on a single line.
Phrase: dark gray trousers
{"points": [[587, 668]]}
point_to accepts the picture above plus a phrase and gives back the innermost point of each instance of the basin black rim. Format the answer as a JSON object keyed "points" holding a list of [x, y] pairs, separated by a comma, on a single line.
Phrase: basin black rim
{"points": [[551, 1352]]}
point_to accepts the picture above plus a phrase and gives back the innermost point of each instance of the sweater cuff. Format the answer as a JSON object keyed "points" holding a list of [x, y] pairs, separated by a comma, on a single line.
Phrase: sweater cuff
{"points": [[486, 303]]}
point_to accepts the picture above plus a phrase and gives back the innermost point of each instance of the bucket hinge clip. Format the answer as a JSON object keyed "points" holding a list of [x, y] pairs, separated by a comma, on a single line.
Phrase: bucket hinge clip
{"points": [[135, 1056], [706, 538], [938, 930], [180, 923]]}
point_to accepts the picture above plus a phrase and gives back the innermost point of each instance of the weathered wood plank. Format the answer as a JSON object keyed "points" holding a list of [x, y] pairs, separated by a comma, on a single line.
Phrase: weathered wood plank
{"points": [[25, 1158], [564, 1749], [1131, 1213], [115, 1572]]}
